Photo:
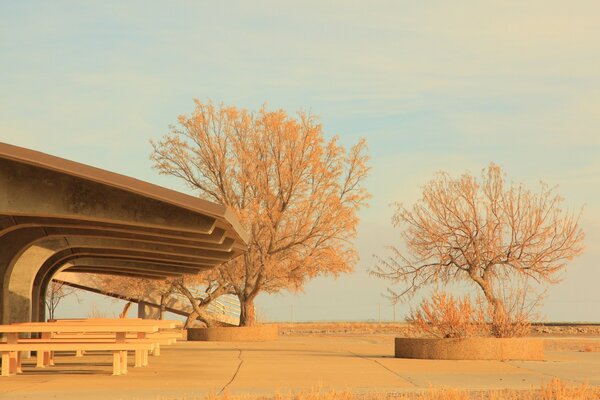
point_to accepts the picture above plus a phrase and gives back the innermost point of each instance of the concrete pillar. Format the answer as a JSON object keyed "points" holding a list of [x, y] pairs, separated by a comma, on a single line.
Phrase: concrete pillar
{"points": [[21, 278], [11, 247]]}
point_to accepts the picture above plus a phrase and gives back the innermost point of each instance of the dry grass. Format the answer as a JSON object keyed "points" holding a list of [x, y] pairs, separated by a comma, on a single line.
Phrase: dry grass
{"points": [[349, 328], [405, 330], [95, 312], [553, 390], [445, 316]]}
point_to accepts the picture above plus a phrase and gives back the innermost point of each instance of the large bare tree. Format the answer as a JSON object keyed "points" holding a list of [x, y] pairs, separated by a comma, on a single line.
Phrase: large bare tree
{"points": [[297, 194], [484, 231]]}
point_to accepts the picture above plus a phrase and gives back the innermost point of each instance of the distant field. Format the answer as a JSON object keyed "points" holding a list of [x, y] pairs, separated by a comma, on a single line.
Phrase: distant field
{"points": [[558, 336], [358, 328], [402, 328]]}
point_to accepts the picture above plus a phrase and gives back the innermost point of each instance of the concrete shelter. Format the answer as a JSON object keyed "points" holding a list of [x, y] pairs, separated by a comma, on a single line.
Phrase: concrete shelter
{"points": [[59, 215]]}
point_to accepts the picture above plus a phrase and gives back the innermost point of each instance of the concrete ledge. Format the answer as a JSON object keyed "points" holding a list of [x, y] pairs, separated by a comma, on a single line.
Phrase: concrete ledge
{"points": [[470, 349], [234, 334]]}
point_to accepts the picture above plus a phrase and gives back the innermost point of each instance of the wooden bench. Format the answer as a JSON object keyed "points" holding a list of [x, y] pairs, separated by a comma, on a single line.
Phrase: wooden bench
{"points": [[141, 358], [161, 323], [171, 336], [11, 359], [156, 341], [116, 339], [160, 340]]}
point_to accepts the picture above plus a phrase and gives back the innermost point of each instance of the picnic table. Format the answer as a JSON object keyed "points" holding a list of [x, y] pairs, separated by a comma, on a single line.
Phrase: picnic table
{"points": [[167, 334], [164, 336], [115, 339]]}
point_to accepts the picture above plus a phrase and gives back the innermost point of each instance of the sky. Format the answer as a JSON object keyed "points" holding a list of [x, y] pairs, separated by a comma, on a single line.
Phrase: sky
{"points": [[431, 85]]}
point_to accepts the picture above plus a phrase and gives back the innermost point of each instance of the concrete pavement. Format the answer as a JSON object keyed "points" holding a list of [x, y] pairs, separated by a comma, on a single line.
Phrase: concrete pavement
{"points": [[357, 363]]}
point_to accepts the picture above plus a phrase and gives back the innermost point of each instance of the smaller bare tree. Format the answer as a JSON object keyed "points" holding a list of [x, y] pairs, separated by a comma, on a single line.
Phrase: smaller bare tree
{"points": [[486, 232], [58, 291]]}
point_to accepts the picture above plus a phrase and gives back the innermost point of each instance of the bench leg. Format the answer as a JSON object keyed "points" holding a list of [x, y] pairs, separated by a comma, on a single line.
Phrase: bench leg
{"points": [[145, 358], [116, 362], [46, 358], [5, 363], [79, 353], [156, 351], [124, 362], [40, 359], [19, 368], [138, 358], [12, 362], [51, 362]]}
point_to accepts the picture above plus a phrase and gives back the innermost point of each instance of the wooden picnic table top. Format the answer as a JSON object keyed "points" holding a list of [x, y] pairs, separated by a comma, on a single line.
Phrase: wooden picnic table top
{"points": [[116, 319], [161, 323], [120, 321], [51, 327], [57, 346]]}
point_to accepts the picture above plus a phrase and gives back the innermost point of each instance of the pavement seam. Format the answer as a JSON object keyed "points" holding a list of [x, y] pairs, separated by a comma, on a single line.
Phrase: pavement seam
{"points": [[235, 373], [386, 368], [542, 373]]}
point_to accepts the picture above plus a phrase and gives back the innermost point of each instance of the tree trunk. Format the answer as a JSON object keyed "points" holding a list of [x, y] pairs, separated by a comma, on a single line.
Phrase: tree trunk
{"points": [[499, 318], [203, 315], [497, 308], [198, 309], [163, 300], [125, 310], [247, 311], [189, 321]]}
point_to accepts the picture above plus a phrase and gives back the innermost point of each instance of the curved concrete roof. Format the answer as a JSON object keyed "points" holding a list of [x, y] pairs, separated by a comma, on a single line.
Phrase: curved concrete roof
{"points": [[58, 215], [88, 172]]}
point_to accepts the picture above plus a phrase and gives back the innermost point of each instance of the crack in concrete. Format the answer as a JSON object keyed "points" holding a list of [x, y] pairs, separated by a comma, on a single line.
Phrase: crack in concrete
{"points": [[235, 373], [542, 373], [386, 368]]}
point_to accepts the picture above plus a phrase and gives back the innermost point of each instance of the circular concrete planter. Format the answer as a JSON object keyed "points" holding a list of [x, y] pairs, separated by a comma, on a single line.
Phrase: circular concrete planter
{"points": [[470, 349], [258, 333]]}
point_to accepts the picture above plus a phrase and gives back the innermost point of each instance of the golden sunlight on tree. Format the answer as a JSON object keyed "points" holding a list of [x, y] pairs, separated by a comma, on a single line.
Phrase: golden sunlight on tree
{"points": [[487, 232], [297, 194]]}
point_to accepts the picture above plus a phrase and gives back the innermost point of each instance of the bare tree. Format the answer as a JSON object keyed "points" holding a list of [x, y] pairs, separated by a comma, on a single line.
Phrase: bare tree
{"points": [[57, 292], [159, 290], [296, 193], [199, 291], [125, 310], [485, 232]]}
